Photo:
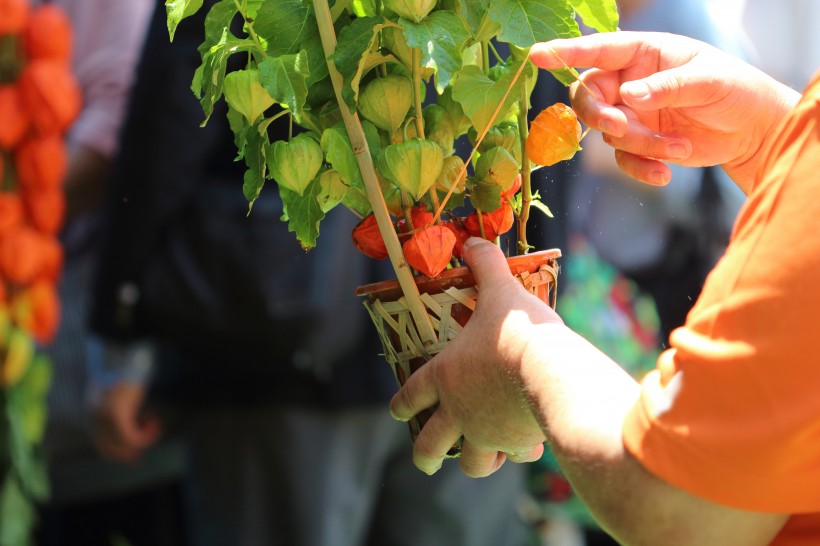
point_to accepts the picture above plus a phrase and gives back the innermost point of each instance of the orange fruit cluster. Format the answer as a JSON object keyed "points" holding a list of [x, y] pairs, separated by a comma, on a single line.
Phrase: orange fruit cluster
{"points": [[39, 98]]}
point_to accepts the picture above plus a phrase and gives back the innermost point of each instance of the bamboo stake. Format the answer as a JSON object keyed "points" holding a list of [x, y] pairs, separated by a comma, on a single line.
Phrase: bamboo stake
{"points": [[371, 183]]}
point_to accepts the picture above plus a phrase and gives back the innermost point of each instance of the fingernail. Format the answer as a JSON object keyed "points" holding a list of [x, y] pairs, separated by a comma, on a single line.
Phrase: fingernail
{"points": [[658, 178], [638, 90], [472, 241], [607, 126], [676, 150], [432, 471]]}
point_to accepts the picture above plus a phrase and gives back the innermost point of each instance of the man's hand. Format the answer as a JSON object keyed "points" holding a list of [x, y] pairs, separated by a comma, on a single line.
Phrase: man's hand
{"points": [[477, 380], [121, 431], [659, 97]]}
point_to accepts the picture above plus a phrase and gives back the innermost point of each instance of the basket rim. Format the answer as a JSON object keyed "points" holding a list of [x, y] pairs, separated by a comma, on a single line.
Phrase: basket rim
{"points": [[456, 276]]}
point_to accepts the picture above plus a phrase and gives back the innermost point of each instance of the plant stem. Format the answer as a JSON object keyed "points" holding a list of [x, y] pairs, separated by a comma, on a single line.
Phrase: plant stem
{"points": [[420, 115], [526, 179], [498, 108], [371, 182], [485, 56], [242, 11]]}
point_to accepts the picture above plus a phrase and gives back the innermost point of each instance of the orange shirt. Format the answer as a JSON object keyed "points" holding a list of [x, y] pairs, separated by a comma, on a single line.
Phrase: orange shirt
{"points": [[732, 412]]}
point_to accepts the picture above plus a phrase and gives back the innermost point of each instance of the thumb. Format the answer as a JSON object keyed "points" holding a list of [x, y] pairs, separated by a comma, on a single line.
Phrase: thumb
{"points": [[487, 262], [675, 87]]}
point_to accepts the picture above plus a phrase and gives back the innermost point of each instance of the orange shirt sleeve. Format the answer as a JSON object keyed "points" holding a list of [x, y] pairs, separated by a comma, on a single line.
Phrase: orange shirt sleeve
{"points": [[732, 412]]}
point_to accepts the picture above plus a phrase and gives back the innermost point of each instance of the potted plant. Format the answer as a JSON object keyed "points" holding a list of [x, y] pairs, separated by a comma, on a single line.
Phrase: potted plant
{"points": [[378, 94]]}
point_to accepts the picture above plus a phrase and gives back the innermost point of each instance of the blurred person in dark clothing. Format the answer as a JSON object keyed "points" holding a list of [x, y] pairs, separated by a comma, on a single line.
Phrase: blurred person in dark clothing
{"points": [[262, 354]]}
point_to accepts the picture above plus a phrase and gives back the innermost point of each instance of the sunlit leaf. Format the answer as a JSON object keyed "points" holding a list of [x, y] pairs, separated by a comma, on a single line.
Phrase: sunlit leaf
{"points": [[525, 22], [440, 37], [177, 10], [602, 15]]}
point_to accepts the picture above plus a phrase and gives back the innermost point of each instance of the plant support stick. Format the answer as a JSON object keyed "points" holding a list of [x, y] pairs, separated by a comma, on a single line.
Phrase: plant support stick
{"points": [[374, 195]]}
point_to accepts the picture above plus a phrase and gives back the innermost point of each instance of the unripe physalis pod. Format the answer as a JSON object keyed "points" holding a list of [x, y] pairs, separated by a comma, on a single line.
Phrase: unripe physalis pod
{"points": [[554, 135], [295, 163], [413, 165], [495, 223], [385, 101], [429, 250], [368, 239], [438, 127], [415, 10], [452, 172]]}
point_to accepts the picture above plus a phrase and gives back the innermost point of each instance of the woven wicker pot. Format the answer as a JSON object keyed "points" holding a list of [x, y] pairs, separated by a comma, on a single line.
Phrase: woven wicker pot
{"points": [[449, 301]]}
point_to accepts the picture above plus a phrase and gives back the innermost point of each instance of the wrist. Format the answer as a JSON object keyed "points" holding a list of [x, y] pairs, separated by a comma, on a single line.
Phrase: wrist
{"points": [[745, 169]]}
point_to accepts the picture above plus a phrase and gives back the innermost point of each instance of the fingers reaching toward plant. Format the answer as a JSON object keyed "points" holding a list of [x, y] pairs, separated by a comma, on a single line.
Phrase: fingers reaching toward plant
{"points": [[657, 97]]}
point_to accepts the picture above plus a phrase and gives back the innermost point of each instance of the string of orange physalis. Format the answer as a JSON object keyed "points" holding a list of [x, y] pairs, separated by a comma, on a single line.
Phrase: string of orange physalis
{"points": [[39, 98], [429, 247]]}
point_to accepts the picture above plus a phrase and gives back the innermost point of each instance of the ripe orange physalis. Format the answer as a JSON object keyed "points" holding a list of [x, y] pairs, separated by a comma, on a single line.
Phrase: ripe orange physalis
{"points": [[51, 95], [368, 239], [14, 116], [510, 192], [11, 211], [457, 227], [41, 163], [421, 218], [554, 135], [21, 256], [37, 310], [495, 223], [45, 209], [429, 249], [13, 16], [48, 33]]}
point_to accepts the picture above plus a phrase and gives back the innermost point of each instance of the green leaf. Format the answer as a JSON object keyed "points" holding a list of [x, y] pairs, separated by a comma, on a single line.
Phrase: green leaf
{"points": [[16, 513], [177, 10], [475, 14], [350, 57], [479, 95], [339, 152], [303, 213], [525, 22], [25, 459], [441, 37], [602, 15], [317, 63], [566, 76], [363, 8], [245, 94], [285, 80], [536, 203], [285, 25], [217, 21], [255, 154], [356, 200], [210, 76]]}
